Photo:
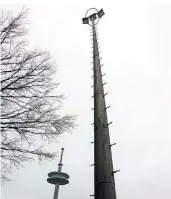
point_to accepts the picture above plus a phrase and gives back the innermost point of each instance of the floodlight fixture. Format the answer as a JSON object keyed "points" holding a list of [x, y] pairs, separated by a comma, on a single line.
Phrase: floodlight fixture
{"points": [[100, 13], [85, 20]]}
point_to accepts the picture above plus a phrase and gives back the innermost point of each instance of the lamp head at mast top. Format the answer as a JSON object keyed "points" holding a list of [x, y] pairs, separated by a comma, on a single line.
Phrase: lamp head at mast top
{"points": [[92, 17]]}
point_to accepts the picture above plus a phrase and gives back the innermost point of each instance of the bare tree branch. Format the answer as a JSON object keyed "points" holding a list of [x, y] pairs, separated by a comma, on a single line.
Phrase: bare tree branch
{"points": [[29, 104]]}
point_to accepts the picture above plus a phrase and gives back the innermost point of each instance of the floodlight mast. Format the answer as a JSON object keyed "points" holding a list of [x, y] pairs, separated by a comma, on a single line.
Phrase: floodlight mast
{"points": [[104, 184]]}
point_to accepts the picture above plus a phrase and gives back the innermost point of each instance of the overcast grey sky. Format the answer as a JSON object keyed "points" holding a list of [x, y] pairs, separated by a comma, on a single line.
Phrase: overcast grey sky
{"points": [[135, 41]]}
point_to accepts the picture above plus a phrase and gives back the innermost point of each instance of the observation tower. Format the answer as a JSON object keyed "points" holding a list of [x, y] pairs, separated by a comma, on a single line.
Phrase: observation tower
{"points": [[57, 177]]}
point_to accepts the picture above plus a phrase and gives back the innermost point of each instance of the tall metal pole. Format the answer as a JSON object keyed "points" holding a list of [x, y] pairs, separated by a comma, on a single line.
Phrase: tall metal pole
{"points": [[104, 183], [103, 169], [59, 170]]}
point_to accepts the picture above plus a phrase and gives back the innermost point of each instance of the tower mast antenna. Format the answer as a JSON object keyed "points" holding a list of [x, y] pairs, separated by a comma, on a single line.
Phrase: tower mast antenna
{"points": [[57, 177]]}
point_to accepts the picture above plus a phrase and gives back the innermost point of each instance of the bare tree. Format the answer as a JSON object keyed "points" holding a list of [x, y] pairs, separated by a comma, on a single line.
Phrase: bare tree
{"points": [[29, 108]]}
